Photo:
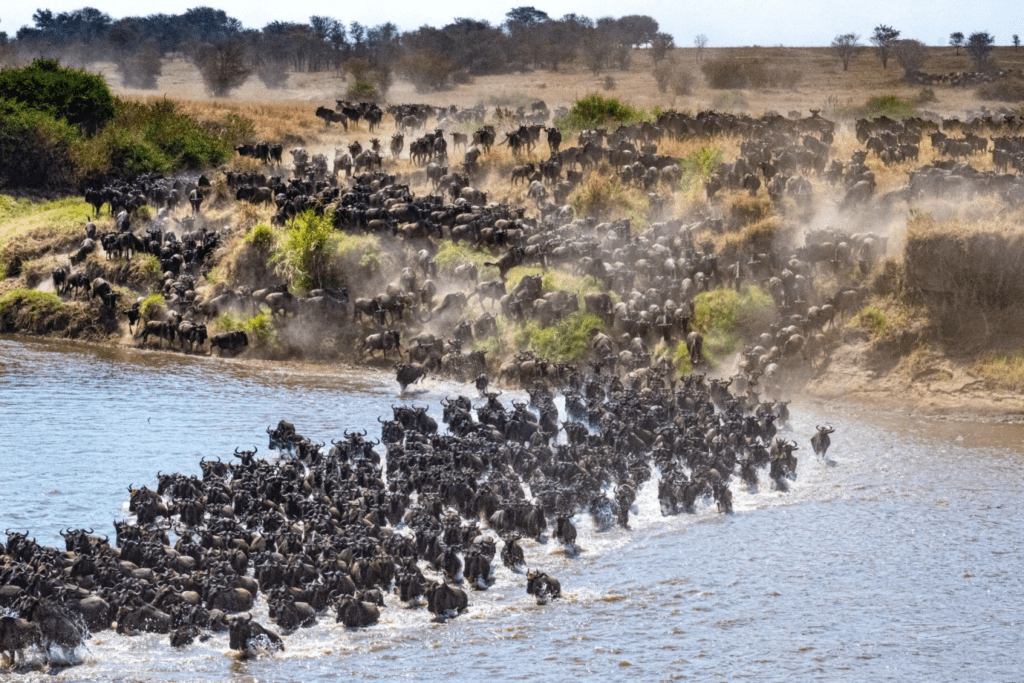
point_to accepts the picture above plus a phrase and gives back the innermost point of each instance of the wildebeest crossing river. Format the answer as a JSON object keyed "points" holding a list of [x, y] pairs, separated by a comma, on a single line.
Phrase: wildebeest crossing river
{"points": [[900, 559]]}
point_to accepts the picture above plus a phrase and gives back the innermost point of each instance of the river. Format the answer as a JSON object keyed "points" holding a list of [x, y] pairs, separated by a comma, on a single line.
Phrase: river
{"points": [[899, 559]]}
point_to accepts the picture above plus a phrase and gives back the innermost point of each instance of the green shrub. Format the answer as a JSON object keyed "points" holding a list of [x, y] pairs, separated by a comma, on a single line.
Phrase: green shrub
{"points": [[356, 257], [726, 317], [259, 329], [596, 111], [185, 141], [261, 237], [698, 166], [82, 99], [450, 255], [885, 105], [35, 149], [604, 196], [304, 250], [567, 341], [153, 307], [361, 91]]}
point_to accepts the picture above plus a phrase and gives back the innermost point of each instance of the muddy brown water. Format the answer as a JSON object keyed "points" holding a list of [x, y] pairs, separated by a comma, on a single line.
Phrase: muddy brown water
{"points": [[899, 558]]}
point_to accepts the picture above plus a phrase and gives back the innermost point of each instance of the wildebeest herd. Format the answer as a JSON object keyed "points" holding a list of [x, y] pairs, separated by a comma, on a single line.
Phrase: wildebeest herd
{"points": [[343, 531]]}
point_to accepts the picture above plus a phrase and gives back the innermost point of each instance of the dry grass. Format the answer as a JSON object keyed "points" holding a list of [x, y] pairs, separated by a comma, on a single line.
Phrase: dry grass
{"points": [[1001, 370]]}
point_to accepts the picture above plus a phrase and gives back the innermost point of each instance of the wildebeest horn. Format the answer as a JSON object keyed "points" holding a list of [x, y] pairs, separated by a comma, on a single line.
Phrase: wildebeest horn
{"points": [[63, 534], [236, 449]]}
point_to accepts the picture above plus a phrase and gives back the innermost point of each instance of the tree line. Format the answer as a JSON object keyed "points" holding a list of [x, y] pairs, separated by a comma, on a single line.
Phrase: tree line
{"points": [[430, 57], [911, 53]]}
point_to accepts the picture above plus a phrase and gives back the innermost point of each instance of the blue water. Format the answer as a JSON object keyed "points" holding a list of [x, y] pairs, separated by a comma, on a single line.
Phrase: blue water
{"points": [[898, 560]]}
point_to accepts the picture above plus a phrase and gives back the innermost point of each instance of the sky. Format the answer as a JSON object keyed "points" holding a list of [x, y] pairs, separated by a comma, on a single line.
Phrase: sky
{"points": [[726, 23]]}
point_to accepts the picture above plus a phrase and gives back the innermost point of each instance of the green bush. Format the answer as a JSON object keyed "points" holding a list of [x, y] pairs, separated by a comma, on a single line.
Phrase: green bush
{"points": [[304, 250], [35, 149], [152, 307], [568, 340], [360, 91], [355, 256], [884, 105], [725, 317], [259, 329], [82, 99], [595, 110], [698, 166], [261, 237], [154, 136], [450, 255]]}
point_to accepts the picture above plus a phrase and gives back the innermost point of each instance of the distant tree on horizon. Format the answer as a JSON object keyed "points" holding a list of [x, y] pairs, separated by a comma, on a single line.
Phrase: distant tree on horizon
{"points": [[911, 55], [883, 39], [700, 42], [979, 46], [846, 47], [957, 40], [661, 44], [1016, 41], [222, 66]]}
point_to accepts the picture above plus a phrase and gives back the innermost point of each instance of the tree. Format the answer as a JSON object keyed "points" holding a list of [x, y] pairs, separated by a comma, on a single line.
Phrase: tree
{"points": [[846, 47], [1016, 41], [979, 46], [911, 55], [883, 38], [222, 66], [661, 44], [520, 18], [700, 42], [957, 40], [638, 29]]}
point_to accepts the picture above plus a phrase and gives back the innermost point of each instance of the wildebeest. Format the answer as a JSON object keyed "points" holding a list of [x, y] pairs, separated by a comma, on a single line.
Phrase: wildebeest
{"points": [[229, 341], [509, 260], [16, 635], [542, 586], [444, 600], [356, 613], [195, 198], [821, 441], [248, 636], [409, 373], [162, 329], [383, 342]]}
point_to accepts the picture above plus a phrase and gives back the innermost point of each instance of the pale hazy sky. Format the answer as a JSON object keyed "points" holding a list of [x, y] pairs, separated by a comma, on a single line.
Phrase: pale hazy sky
{"points": [[724, 22]]}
